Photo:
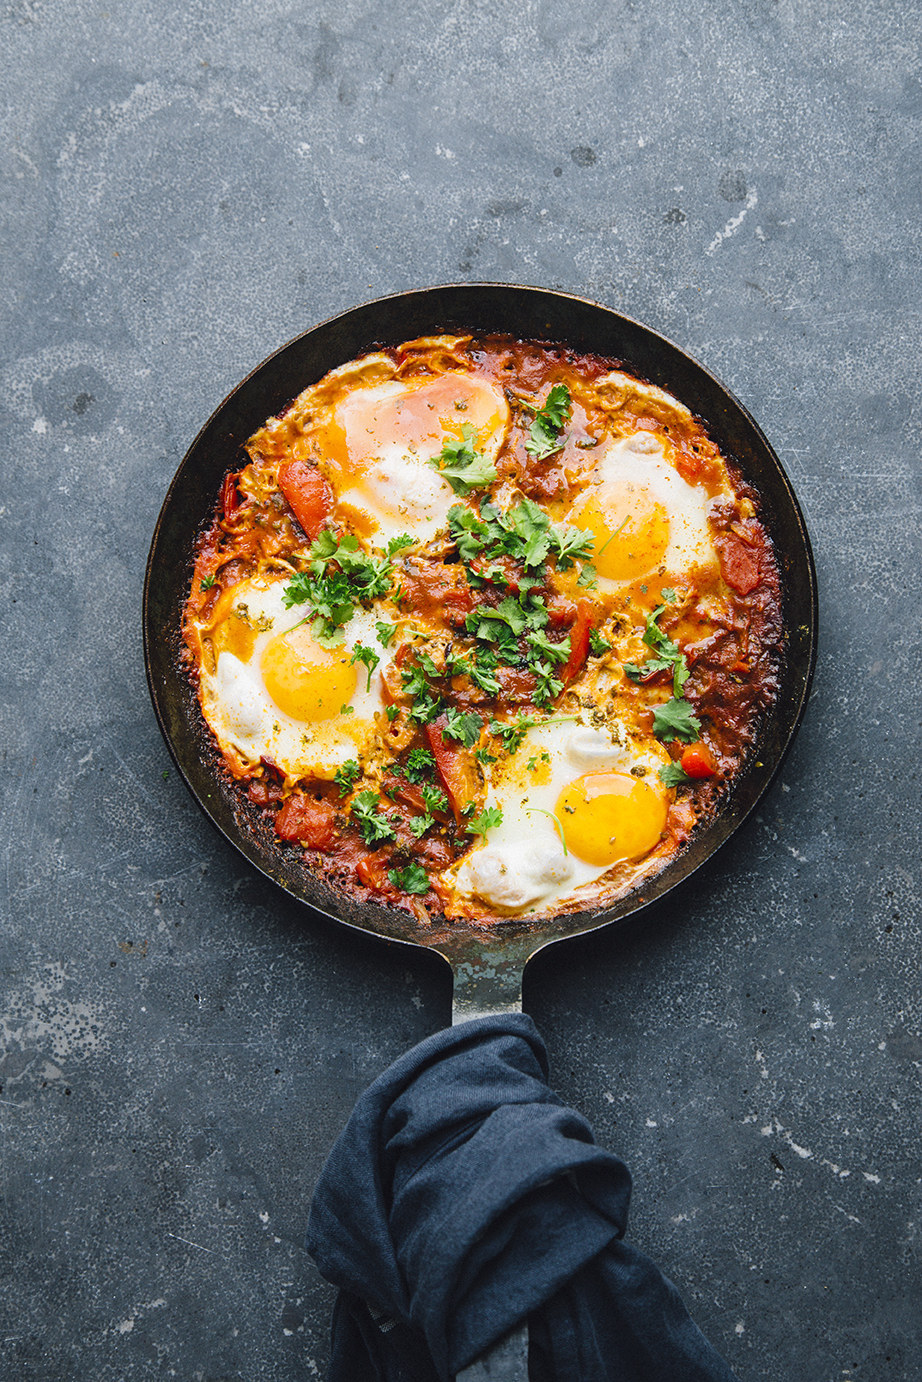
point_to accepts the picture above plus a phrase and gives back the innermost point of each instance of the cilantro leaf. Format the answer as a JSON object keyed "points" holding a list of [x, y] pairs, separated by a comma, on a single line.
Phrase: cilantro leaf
{"points": [[676, 720], [361, 653], [544, 437], [412, 879], [434, 799], [465, 728], [570, 544], [511, 735], [463, 466], [373, 824], [385, 633], [419, 763], [397, 544], [673, 775], [598, 645], [467, 532], [540, 644], [346, 776], [488, 819]]}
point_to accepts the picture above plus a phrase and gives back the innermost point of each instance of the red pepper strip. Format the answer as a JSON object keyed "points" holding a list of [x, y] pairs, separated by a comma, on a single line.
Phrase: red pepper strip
{"points": [[308, 494], [312, 822], [698, 761], [579, 642], [454, 766], [230, 499]]}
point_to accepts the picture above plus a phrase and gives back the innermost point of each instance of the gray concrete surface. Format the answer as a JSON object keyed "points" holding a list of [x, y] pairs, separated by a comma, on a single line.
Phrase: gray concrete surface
{"points": [[186, 187]]}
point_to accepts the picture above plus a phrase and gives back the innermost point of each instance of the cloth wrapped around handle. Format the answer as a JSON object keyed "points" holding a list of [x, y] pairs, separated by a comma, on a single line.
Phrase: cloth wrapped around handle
{"points": [[463, 1197]]}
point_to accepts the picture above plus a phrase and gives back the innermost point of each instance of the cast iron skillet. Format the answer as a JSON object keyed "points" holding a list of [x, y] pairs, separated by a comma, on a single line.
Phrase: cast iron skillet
{"points": [[487, 963]]}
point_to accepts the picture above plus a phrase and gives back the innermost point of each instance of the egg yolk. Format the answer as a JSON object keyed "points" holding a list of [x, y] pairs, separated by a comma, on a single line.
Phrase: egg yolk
{"points": [[630, 528], [306, 681], [421, 417], [610, 817]]}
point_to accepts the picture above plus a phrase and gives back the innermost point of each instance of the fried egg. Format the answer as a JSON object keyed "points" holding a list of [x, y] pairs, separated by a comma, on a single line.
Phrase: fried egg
{"points": [[644, 517], [271, 691], [378, 441], [575, 801]]}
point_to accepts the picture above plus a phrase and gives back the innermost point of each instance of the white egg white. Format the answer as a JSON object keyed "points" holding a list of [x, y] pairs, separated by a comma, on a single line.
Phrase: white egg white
{"points": [[523, 865], [247, 723], [640, 460], [398, 490]]}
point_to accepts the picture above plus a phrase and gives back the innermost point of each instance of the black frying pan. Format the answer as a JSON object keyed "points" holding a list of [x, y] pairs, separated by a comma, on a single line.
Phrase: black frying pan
{"points": [[487, 963]]}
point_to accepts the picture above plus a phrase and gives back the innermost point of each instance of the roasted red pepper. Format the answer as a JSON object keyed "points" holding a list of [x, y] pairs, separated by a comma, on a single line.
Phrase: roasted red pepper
{"points": [[309, 496]]}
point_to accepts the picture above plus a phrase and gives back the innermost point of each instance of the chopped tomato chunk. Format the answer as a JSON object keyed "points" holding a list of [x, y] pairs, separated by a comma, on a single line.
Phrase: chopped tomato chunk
{"points": [[739, 563], [698, 761], [309, 496], [312, 822], [455, 767]]}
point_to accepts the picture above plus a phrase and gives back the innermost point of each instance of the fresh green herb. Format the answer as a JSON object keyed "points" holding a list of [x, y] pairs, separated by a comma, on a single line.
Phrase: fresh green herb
{"points": [[361, 653], [392, 711], [511, 735], [587, 576], [676, 720], [373, 824], [467, 532], [339, 577], [598, 645], [541, 646], [550, 420], [485, 756], [418, 825], [385, 633], [670, 595], [480, 669], [419, 764], [207, 582], [434, 799], [673, 775], [536, 758], [488, 819], [570, 544], [557, 825], [412, 879], [669, 656], [463, 466], [347, 710], [465, 728], [347, 775], [397, 544]]}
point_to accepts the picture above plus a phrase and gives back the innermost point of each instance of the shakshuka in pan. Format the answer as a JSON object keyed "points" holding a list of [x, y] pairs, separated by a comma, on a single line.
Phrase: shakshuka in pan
{"points": [[487, 626]]}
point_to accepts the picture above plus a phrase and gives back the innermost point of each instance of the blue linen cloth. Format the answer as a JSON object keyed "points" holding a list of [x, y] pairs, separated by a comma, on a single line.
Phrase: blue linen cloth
{"points": [[463, 1196]]}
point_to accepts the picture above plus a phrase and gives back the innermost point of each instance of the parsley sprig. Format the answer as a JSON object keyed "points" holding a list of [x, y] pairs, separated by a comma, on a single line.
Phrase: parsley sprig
{"points": [[463, 466], [545, 436], [340, 576], [374, 825], [675, 718], [412, 879]]}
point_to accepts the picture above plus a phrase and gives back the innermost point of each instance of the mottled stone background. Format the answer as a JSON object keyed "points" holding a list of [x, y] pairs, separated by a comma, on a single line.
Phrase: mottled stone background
{"points": [[185, 187]]}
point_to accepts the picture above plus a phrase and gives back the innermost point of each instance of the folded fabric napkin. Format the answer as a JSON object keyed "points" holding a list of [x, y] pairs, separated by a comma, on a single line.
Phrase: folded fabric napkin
{"points": [[463, 1197]]}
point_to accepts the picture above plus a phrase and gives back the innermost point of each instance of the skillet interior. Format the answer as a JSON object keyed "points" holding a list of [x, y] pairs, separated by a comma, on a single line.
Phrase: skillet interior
{"points": [[528, 313]]}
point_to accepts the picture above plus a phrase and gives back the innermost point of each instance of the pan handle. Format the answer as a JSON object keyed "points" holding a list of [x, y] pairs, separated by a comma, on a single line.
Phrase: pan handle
{"points": [[485, 984]]}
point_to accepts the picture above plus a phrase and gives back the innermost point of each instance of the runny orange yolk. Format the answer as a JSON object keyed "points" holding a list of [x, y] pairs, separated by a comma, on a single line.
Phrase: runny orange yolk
{"points": [[630, 528], [421, 418], [306, 681], [610, 817]]}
